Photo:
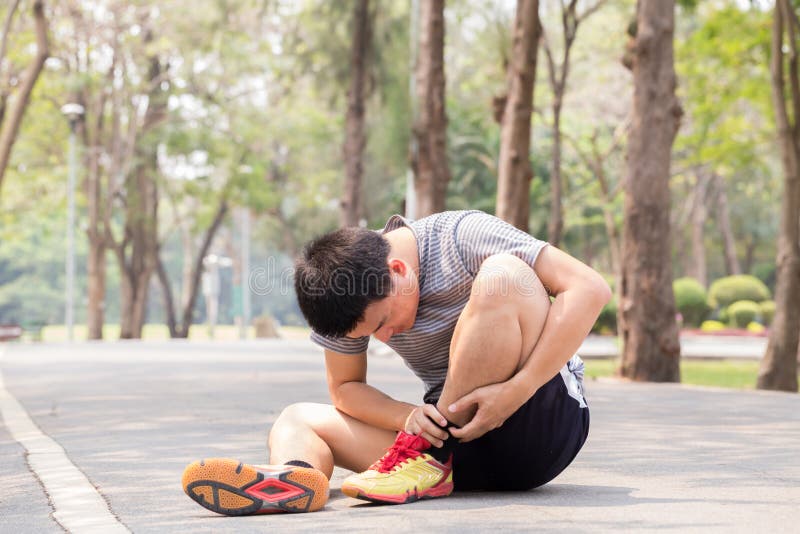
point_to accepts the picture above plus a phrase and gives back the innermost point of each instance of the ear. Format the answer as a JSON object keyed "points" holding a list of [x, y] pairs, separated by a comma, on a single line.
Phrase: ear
{"points": [[397, 266]]}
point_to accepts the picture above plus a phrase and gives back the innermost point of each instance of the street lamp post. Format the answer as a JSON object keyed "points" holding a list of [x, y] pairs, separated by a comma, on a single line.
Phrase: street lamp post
{"points": [[74, 113]]}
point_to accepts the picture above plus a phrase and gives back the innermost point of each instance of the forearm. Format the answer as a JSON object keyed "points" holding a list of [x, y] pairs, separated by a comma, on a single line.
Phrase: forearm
{"points": [[571, 317], [372, 406]]}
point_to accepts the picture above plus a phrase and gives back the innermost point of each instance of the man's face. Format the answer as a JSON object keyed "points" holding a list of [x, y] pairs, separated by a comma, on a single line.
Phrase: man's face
{"points": [[395, 313]]}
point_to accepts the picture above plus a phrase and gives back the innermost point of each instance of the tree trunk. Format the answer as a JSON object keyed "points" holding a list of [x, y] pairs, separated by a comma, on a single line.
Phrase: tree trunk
{"points": [[698, 268], [514, 169], [355, 137], [724, 223], [651, 350], [12, 117], [429, 162], [779, 365], [92, 129], [166, 294], [182, 330], [555, 226], [96, 288], [141, 211]]}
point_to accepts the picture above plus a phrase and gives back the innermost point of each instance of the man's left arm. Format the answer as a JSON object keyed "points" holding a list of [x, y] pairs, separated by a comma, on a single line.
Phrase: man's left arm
{"points": [[580, 294]]}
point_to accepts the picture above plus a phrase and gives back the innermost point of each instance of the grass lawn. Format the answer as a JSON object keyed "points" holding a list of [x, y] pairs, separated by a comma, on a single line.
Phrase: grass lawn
{"points": [[720, 373]]}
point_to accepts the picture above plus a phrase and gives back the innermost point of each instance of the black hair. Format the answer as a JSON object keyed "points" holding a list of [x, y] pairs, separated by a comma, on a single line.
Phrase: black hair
{"points": [[338, 275]]}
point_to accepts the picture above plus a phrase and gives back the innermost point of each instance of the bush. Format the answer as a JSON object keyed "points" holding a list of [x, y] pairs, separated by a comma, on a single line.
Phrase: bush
{"points": [[726, 291], [767, 309], [691, 301], [712, 326], [742, 313], [755, 328], [607, 321], [766, 273]]}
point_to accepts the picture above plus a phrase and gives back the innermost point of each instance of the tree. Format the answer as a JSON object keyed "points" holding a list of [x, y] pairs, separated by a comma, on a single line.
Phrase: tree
{"points": [[651, 350], [429, 152], [11, 113], [779, 365], [514, 169], [557, 75], [355, 137], [137, 249]]}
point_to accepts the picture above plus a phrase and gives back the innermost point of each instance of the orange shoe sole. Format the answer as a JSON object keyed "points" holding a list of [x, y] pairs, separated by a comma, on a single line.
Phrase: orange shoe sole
{"points": [[229, 487]]}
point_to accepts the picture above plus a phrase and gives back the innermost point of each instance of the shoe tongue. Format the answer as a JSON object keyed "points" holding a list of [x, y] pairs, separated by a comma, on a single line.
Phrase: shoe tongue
{"points": [[418, 443]]}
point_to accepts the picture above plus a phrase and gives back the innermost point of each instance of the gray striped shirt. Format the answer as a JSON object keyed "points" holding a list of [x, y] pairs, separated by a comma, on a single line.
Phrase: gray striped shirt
{"points": [[452, 246]]}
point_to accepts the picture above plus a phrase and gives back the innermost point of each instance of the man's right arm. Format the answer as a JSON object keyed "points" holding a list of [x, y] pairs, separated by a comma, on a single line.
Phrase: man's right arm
{"points": [[347, 383]]}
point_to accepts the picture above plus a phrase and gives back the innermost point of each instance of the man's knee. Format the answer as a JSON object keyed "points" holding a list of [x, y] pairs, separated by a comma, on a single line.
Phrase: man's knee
{"points": [[505, 282], [300, 414]]}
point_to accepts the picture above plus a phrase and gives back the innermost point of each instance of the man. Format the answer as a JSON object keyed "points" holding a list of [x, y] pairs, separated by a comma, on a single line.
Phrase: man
{"points": [[464, 299]]}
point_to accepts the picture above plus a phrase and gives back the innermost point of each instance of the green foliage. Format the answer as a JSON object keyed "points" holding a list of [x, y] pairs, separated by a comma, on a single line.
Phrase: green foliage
{"points": [[607, 321], [725, 291], [767, 311], [691, 301], [742, 313], [766, 273]]}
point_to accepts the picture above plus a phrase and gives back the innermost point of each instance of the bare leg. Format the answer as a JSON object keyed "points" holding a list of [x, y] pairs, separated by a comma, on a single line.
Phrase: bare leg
{"points": [[496, 331], [322, 436]]}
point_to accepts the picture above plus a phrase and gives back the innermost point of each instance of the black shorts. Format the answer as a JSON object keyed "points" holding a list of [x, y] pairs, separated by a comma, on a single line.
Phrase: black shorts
{"points": [[532, 447]]}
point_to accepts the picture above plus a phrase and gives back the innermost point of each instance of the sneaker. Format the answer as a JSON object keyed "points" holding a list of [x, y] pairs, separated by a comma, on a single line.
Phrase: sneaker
{"points": [[405, 474], [230, 487]]}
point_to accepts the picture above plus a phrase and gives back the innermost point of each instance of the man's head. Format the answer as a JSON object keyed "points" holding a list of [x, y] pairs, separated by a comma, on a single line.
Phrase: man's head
{"points": [[348, 284], [338, 276]]}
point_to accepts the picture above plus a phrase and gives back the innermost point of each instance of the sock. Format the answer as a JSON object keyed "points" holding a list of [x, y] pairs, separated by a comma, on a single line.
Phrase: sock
{"points": [[299, 463], [442, 454]]}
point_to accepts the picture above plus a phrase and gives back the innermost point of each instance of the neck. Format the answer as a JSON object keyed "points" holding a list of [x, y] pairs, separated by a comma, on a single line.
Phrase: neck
{"points": [[404, 246]]}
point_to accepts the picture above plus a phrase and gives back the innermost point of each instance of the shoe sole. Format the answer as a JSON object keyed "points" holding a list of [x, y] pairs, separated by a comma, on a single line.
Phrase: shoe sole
{"points": [[442, 489], [229, 487]]}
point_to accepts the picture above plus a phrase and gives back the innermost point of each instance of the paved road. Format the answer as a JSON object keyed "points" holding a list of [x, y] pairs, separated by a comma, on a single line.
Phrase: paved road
{"points": [[130, 416]]}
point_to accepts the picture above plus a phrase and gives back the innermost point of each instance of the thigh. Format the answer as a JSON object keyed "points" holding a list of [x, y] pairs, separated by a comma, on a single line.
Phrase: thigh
{"points": [[531, 448], [354, 444]]}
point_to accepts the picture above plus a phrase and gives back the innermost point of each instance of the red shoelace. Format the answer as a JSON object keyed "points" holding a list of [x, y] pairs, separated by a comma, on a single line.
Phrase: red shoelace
{"points": [[405, 447]]}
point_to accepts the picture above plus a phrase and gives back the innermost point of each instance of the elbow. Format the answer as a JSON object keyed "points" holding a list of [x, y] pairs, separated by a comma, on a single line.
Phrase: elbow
{"points": [[336, 396], [339, 395], [600, 291]]}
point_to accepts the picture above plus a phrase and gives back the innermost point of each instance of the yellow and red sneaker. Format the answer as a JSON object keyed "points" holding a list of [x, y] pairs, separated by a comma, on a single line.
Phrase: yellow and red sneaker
{"points": [[406, 473], [230, 487]]}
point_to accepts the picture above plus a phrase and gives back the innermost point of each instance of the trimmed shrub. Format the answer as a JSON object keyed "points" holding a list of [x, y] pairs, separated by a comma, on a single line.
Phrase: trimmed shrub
{"points": [[712, 326], [743, 313], [726, 291], [607, 321], [755, 328], [767, 309], [691, 301]]}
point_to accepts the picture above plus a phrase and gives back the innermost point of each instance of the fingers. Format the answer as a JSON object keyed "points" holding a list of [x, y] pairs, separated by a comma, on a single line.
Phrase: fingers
{"points": [[436, 442], [427, 426], [474, 429], [421, 423], [468, 432], [467, 400]]}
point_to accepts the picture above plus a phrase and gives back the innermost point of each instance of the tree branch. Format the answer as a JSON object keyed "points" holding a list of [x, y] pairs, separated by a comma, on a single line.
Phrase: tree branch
{"points": [[7, 30], [11, 124]]}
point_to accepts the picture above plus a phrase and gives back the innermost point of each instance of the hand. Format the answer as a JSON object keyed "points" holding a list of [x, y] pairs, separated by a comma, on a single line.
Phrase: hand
{"points": [[420, 423], [495, 405]]}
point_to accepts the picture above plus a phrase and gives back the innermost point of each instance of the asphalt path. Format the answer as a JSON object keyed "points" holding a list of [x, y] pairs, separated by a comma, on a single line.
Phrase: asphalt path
{"points": [[130, 416]]}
